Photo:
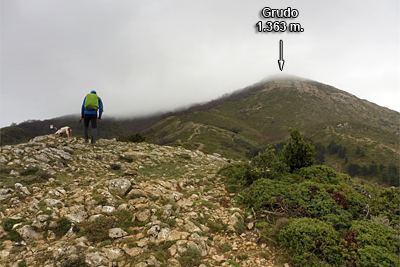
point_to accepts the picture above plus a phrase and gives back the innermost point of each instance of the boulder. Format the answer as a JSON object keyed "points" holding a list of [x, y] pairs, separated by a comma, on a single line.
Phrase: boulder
{"points": [[120, 186], [116, 233], [28, 234]]}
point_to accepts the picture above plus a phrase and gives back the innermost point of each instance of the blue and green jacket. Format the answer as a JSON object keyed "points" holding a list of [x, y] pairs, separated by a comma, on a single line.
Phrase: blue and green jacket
{"points": [[88, 111]]}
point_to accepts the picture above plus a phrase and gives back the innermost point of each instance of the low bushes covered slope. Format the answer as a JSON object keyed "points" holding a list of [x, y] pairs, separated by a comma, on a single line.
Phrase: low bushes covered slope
{"points": [[318, 216]]}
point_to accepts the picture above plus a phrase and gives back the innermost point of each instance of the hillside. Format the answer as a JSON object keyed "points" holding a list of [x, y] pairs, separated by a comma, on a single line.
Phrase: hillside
{"points": [[66, 203], [353, 135], [249, 119]]}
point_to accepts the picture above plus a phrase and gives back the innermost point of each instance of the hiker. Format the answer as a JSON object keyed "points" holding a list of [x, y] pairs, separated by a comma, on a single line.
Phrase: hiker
{"points": [[90, 105]]}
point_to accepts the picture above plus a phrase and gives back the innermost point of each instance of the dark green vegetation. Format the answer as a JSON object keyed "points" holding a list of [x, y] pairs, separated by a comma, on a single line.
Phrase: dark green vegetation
{"points": [[333, 220], [238, 125], [137, 138]]}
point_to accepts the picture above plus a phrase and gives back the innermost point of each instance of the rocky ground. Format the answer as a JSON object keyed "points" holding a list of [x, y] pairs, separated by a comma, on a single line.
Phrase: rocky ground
{"points": [[67, 203]]}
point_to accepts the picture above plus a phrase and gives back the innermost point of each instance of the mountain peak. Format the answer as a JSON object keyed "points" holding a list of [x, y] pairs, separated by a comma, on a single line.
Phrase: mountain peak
{"points": [[282, 77]]}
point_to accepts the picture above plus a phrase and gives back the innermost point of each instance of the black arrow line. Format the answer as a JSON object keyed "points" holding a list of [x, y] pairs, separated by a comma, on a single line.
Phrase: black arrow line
{"points": [[281, 62]]}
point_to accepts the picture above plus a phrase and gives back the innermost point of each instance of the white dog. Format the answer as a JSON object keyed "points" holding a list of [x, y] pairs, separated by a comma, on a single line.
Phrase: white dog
{"points": [[64, 130]]}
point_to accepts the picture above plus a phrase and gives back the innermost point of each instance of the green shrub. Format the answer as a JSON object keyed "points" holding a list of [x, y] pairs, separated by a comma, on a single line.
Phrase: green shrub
{"points": [[238, 175], [322, 174], [161, 255], [15, 236], [374, 234], [297, 153], [240, 227], [127, 158], [243, 257], [215, 227], [311, 242], [97, 231], [115, 166], [387, 203], [190, 258], [137, 138], [9, 223], [29, 171], [63, 226], [124, 217], [75, 262], [233, 263], [297, 200], [376, 256], [44, 175], [267, 164], [225, 247]]}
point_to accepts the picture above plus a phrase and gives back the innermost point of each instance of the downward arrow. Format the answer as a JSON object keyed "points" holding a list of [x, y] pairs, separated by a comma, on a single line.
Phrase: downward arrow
{"points": [[281, 61]]}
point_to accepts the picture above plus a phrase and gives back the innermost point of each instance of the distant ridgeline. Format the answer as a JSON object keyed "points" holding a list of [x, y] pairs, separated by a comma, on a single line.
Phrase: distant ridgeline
{"points": [[349, 134]]}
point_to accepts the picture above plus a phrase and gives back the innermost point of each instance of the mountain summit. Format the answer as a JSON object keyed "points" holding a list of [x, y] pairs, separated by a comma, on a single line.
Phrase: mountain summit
{"points": [[239, 124], [261, 113]]}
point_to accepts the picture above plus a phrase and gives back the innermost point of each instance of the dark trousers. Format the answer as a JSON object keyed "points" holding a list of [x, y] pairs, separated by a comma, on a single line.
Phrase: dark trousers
{"points": [[92, 118]]}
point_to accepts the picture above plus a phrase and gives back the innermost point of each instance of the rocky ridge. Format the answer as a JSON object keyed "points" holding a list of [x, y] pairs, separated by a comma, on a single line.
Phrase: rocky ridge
{"points": [[65, 203]]}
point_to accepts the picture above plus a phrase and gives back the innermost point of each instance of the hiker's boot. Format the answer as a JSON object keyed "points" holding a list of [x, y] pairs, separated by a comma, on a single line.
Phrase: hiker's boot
{"points": [[94, 135], [86, 135]]}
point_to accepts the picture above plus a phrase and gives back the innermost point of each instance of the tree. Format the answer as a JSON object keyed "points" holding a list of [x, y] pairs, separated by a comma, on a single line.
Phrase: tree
{"points": [[342, 152], [373, 169], [268, 164], [137, 138], [333, 148], [297, 153], [353, 169]]}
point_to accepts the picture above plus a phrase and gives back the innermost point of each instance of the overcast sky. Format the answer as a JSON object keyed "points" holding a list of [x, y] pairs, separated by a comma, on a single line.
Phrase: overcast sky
{"points": [[148, 56]]}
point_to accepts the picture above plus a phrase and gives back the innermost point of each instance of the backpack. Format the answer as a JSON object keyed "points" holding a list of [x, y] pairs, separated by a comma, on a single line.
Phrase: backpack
{"points": [[92, 102]]}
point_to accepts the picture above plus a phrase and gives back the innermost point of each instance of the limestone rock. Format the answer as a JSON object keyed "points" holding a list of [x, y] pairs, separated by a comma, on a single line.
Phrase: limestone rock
{"points": [[5, 193], [133, 252], [77, 214], [107, 209], [176, 235], [153, 261], [52, 202], [143, 242], [134, 193], [163, 235], [144, 216], [23, 189], [69, 250], [173, 263], [202, 245], [154, 231], [96, 259], [82, 241], [112, 254], [185, 203], [191, 227], [28, 234], [2, 232], [235, 218], [116, 233], [120, 186]]}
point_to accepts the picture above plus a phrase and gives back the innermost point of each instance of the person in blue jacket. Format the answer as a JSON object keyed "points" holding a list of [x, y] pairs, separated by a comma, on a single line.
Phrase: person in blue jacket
{"points": [[90, 105]]}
